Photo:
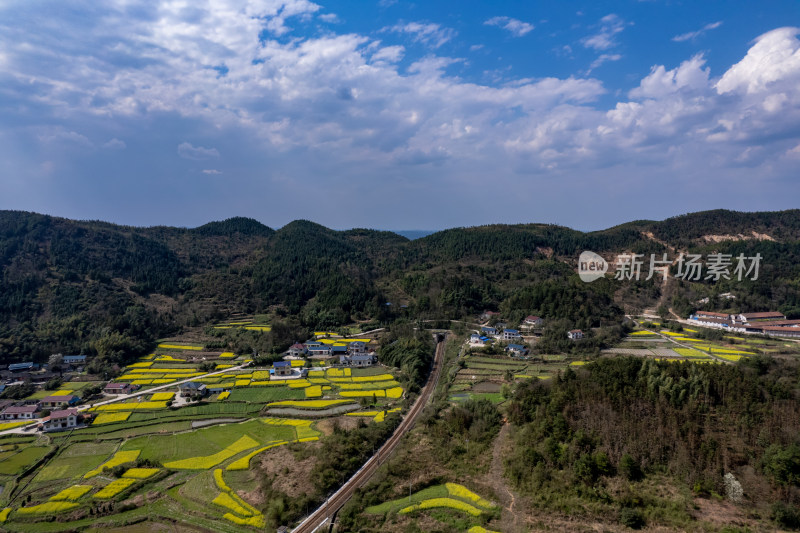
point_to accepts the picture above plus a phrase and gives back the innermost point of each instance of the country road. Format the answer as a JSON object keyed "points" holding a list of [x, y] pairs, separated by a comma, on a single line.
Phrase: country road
{"points": [[122, 397], [329, 508]]}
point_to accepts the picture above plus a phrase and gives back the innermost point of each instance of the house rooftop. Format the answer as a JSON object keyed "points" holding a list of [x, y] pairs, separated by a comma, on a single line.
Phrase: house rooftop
{"points": [[281, 364], [63, 413], [60, 398], [20, 409]]}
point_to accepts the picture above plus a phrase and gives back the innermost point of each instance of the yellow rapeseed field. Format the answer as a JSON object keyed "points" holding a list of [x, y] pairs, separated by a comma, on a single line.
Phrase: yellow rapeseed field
{"points": [[118, 459]]}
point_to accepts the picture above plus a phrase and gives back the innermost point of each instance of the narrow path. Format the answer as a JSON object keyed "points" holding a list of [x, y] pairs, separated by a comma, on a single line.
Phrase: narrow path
{"points": [[498, 482]]}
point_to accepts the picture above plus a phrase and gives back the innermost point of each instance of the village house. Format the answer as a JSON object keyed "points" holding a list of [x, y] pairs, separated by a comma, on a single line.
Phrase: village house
{"points": [[712, 314], [750, 318], [510, 334], [193, 389], [358, 360], [323, 350], [486, 315], [120, 388], [23, 367], [575, 334], [474, 338], [357, 348], [20, 412], [51, 402], [297, 350], [339, 348], [533, 321], [487, 330], [517, 350], [74, 359], [61, 420], [282, 368]]}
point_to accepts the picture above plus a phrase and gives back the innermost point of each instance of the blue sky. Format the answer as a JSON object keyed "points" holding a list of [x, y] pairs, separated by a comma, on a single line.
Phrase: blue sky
{"points": [[398, 115]]}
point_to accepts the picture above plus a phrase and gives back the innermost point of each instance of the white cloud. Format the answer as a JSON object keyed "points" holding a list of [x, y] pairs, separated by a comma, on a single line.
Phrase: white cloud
{"points": [[610, 26], [661, 82], [198, 153], [331, 18], [60, 134], [603, 58], [335, 110], [695, 34], [211, 171], [115, 144], [773, 59], [517, 28], [428, 33], [389, 54]]}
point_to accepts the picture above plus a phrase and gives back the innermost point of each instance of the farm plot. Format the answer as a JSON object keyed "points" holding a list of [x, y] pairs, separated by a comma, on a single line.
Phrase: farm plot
{"points": [[449, 495], [265, 394], [22, 459], [207, 441], [75, 461]]}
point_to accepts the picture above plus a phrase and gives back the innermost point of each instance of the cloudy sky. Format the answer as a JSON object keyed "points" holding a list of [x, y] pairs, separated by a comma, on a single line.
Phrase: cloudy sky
{"points": [[398, 115]]}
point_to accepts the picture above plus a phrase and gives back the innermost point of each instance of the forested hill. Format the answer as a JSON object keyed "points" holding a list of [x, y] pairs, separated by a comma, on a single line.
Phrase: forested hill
{"points": [[95, 287]]}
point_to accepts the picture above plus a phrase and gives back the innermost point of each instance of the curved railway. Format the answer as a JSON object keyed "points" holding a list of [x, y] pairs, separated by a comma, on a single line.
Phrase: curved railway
{"points": [[332, 505]]}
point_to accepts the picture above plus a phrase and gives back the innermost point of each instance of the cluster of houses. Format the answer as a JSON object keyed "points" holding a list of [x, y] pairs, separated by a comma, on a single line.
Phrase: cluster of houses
{"points": [[354, 353], [501, 332], [771, 323], [62, 412]]}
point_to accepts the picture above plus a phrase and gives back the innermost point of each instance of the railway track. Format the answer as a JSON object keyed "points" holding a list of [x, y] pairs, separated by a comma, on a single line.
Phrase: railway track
{"points": [[331, 506]]}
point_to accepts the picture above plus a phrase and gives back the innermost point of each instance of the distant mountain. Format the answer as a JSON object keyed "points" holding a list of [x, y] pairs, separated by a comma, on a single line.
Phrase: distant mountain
{"points": [[412, 234], [95, 287]]}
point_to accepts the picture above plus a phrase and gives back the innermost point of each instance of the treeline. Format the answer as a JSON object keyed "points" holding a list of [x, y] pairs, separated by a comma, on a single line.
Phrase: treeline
{"points": [[633, 418]]}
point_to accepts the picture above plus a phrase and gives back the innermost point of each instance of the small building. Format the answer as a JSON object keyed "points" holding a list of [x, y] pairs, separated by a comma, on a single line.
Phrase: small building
{"points": [[488, 330], [712, 314], [323, 350], [23, 367], [120, 388], [749, 318], [74, 359], [517, 350], [510, 334], [297, 350], [575, 334], [358, 360], [61, 420], [51, 402], [193, 389], [486, 315], [357, 347], [282, 368], [474, 338], [533, 320], [20, 412], [339, 348]]}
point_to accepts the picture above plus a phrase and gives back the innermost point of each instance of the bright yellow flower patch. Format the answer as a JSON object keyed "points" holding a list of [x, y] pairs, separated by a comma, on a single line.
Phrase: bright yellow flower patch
{"points": [[114, 488], [162, 396], [110, 418], [450, 503], [47, 508], [140, 473], [118, 459], [75, 492], [308, 404]]}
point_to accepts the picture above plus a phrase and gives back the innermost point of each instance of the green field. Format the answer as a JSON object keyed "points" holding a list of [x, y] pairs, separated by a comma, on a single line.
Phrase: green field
{"points": [[264, 394], [22, 459], [75, 461], [203, 442]]}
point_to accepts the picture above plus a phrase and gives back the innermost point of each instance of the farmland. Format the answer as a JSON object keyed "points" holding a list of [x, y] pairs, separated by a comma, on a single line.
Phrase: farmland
{"points": [[158, 442]]}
